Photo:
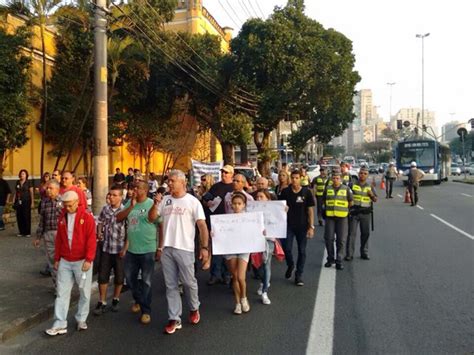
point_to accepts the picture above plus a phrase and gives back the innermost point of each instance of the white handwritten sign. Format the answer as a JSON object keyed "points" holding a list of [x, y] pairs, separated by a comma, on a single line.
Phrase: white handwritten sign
{"points": [[274, 216], [237, 233]]}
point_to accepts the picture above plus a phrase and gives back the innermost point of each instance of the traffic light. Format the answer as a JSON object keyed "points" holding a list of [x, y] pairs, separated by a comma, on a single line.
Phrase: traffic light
{"points": [[399, 124]]}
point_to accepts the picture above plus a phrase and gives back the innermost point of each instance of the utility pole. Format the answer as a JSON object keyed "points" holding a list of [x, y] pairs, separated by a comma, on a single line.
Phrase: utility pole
{"points": [[101, 150], [422, 36]]}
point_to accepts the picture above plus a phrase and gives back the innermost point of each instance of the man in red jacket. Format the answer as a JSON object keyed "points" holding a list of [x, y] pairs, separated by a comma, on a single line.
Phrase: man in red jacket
{"points": [[74, 253]]}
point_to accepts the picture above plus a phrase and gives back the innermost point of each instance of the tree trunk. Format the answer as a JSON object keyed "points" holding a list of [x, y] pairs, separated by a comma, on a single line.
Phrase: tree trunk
{"points": [[228, 153], [244, 154], [2, 157], [45, 101], [262, 141]]}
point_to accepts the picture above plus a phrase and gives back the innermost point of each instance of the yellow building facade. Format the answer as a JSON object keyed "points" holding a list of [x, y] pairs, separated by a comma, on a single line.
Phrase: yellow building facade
{"points": [[190, 16]]}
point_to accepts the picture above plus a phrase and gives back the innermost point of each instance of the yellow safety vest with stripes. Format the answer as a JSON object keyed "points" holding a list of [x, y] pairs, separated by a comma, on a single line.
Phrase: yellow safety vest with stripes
{"points": [[320, 185], [337, 204], [361, 195]]}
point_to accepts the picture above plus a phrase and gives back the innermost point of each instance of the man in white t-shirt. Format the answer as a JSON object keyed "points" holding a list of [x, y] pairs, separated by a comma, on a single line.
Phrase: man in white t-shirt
{"points": [[180, 213]]}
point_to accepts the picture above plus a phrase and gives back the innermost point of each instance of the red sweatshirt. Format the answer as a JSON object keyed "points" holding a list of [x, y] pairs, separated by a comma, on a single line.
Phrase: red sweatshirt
{"points": [[84, 241]]}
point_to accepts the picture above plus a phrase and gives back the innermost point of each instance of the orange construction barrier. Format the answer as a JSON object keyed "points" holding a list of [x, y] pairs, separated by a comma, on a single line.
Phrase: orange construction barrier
{"points": [[382, 184], [407, 196]]}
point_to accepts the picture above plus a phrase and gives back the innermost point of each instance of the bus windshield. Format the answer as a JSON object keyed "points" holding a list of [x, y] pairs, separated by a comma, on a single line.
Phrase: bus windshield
{"points": [[423, 153]]}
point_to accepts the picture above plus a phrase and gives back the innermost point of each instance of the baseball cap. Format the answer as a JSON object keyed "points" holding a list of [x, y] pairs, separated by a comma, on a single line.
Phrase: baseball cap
{"points": [[413, 164], [228, 169]]}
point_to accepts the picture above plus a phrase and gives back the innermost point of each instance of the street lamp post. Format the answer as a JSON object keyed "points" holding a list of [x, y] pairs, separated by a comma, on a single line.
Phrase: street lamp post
{"points": [[422, 36], [390, 110]]}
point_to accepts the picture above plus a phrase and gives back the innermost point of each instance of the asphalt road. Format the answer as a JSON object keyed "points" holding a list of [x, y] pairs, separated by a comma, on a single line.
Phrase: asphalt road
{"points": [[415, 295]]}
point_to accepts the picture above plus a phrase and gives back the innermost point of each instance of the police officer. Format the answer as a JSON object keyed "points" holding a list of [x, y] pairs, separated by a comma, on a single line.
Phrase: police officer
{"points": [[318, 184], [337, 199], [364, 195], [345, 176]]}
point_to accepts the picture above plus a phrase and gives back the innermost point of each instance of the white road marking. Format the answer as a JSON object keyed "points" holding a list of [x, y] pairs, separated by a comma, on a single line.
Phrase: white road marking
{"points": [[399, 195], [421, 208], [321, 332], [453, 227], [466, 195]]}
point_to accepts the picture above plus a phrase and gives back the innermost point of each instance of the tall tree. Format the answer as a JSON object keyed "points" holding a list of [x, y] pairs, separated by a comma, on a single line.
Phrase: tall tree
{"points": [[301, 71], [14, 88]]}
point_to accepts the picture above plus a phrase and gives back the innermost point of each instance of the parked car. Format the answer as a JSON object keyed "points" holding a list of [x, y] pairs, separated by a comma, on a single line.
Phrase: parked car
{"points": [[470, 169], [249, 172], [312, 171], [373, 169], [455, 169]]}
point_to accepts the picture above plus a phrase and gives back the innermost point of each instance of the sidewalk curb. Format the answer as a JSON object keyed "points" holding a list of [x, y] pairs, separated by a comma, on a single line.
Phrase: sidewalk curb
{"points": [[21, 325]]}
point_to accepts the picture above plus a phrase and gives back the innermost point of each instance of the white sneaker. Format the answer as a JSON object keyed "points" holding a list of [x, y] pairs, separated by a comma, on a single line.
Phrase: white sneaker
{"points": [[245, 305], [238, 309], [265, 299], [81, 326], [260, 289], [55, 331]]}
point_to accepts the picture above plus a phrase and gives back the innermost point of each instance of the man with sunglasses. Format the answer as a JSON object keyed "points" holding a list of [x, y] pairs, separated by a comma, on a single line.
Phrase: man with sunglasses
{"points": [[364, 196]]}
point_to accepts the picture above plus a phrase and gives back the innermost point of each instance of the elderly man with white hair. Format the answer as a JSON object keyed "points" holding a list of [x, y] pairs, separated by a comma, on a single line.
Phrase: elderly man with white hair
{"points": [[74, 253], [181, 212]]}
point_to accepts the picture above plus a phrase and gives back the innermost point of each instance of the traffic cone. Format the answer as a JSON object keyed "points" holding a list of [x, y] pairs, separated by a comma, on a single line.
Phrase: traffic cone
{"points": [[407, 196], [382, 184]]}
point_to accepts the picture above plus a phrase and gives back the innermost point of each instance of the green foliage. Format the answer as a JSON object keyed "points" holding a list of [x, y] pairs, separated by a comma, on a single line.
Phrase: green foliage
{"points": [[334, 151], [456, 144], [14, 87], [70, 117], [300, 70]]}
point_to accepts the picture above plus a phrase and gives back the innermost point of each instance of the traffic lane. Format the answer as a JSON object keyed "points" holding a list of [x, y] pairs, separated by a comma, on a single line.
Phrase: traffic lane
{"points": [[449, 203], [281, 327], [414, 295]]}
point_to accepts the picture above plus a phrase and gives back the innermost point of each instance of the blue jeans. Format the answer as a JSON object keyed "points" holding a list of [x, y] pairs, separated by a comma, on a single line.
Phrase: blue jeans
{"points": [[301, 240], [218, 267], [266, 268], [2, 225], [68, 273], [141, 289]]}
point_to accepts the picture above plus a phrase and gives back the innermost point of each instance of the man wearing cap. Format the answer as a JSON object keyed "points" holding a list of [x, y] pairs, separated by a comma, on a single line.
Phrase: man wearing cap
{"points": [[218, 192], [337, 199], [318, 184], [75, 248], [390, 176], [414, 177], [364, 196]]}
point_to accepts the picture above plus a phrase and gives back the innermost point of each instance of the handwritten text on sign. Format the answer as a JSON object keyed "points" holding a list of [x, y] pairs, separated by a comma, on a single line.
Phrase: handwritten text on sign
{"points": [[274, 216], [237, 233]]}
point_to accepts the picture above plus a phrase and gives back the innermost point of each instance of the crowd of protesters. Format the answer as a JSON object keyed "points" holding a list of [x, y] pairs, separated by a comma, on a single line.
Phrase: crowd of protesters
{"points": [[149, 219]]}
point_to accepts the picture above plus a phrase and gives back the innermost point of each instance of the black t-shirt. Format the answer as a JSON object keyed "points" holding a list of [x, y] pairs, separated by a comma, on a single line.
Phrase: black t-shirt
{"points": [[119, 177], [298, 204], [220, 189], [4, 191], [23, 191]]}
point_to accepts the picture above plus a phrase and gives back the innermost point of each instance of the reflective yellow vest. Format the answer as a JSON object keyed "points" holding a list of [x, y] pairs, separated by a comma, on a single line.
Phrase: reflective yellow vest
{"points": [[320, 185], [337, 205], [304, 180], [361, 195]]}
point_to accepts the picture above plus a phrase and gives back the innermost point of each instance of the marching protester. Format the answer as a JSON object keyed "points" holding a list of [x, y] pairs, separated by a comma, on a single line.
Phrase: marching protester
{"points": [[112, 235], [48, 223], [364, 195], [283, 182], [42, 189], [337, 199], [218, 192], [119, 177], [75, 247], [68, 184], [262, 183], [152, 185], [266, 268], [82, 184], [237, 263], [300, 225], [414, 177], [318, 184], [238, 184], [141, 248], [180, 212], [23, 203]]}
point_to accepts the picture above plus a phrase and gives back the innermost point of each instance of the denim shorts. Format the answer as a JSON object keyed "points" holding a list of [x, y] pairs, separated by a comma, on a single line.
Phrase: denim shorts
{"points": [[245, 256]]}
